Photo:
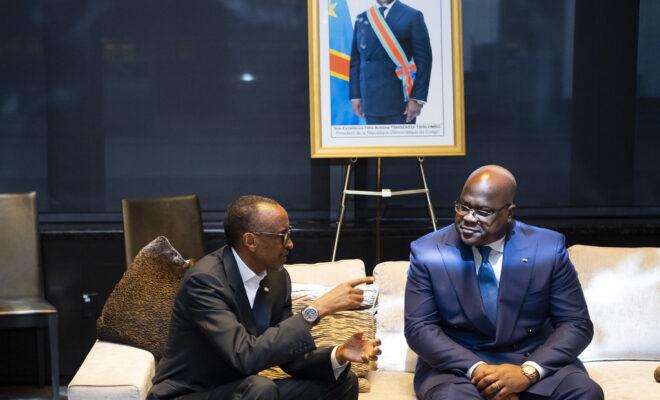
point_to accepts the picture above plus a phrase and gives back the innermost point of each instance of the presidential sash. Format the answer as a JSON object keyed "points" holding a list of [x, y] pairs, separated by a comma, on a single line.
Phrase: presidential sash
{"points": [[405, 70]]}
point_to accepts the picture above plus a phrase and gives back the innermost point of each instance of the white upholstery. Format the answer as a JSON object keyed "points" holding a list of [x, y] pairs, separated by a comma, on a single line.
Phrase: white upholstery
{"points": [[391, 278], [387, 385], [113, 371], [328, 274], [626, 380], [622, 288]]}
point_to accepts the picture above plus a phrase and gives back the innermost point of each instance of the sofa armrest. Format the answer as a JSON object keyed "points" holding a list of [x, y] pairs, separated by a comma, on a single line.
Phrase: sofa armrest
{"points": [[113, 371]]}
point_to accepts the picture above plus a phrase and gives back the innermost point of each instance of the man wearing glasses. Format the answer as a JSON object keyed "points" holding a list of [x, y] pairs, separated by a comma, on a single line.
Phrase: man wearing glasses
{"points": [[232, 318], [493, 306]]}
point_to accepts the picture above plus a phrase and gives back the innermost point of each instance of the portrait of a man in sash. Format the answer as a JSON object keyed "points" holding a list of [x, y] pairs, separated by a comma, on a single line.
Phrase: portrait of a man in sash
{"points": [[390, 63]]}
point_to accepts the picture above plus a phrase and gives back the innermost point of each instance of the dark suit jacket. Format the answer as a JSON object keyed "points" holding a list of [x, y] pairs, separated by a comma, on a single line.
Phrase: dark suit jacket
{"points": [[541, 316], [213, 338], [372, 73]]}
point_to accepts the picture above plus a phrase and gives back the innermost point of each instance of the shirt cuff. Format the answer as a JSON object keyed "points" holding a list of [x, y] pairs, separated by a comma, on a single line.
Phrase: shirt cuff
{"points": [[538, 368], [472, 368], [337, 368]]}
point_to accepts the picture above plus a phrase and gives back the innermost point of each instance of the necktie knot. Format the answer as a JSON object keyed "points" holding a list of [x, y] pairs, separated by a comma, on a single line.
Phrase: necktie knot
{"points": [[484, 251], [382, 10]]}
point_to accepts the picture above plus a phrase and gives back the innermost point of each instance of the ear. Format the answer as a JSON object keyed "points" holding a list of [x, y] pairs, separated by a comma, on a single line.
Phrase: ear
{"points": [[249, 241], [510, 212]]}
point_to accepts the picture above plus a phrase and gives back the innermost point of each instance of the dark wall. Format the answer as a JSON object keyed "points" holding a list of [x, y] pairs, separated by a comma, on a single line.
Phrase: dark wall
{"points": [[105, 100]]}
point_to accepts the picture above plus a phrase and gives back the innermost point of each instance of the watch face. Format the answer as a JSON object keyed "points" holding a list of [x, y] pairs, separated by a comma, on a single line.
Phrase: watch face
{"points": [[310, 314]]}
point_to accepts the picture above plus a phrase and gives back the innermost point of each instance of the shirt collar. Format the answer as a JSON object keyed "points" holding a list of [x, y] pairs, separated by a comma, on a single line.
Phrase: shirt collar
{"points": [[245, 271], [497, 245]]}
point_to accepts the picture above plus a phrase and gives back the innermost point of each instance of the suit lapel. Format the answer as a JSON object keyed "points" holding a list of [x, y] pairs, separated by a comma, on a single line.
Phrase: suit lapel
{"points": [[461, 271], [236, 284], [517, 268]]}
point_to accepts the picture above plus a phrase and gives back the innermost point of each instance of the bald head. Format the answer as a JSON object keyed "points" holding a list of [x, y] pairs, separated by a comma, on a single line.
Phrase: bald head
{"points": [[485, 207], [493, 179]]}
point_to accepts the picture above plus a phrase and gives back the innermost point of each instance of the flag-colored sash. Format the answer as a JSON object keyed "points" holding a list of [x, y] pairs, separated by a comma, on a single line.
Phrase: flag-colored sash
{"points": [[405, 70]]}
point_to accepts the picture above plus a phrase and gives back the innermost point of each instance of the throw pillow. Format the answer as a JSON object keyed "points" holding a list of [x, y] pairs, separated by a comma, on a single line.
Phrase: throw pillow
{"points": [[333, 330], [138, 311]]}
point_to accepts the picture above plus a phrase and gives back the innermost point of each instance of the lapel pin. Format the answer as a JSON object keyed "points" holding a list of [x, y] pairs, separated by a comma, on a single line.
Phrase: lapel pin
{"points": [[266, 289], [525, 260]]}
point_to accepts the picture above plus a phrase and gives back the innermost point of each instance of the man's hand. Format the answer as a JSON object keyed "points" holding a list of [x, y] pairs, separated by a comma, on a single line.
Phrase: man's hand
{"points": [[357, 107], [357, 349], [343, 297], [499, 382], [413, 109]]}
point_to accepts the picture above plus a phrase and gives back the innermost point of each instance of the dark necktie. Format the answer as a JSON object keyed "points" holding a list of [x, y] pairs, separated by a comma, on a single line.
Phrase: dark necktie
{"points": [[487, 284], [382, 10], [261, 308]]}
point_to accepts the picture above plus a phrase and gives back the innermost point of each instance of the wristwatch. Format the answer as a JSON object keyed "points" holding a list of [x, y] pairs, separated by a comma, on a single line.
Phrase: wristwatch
{"points": [[311, 315], [530, 373]]}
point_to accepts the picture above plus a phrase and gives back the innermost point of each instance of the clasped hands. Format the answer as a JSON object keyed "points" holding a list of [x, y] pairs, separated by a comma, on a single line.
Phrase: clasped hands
{"points": [[500, 382], [346, 296]]}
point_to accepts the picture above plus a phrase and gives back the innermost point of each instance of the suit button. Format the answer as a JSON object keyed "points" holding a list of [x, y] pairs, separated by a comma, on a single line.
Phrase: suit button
{"points": [[527, 354], [530, 330]]}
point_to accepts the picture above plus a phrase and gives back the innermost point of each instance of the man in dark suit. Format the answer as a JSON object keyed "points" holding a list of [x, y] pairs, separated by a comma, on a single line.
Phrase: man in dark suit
{"points": [[374, 88], [493, 306], [232, 318]]}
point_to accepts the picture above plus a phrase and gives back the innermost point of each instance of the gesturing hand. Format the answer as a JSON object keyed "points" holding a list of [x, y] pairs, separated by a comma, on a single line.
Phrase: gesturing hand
{"points": [[499, 382], [357, 349], [344, 296]]}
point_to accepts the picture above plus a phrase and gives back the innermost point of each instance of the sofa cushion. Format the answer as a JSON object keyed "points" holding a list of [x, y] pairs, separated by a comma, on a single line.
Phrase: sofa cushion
{"points": [[138, 311], [329, 274], [113, 371], [390, 386], [391, 278], [333, 330], [625, 380], [622, 289]]}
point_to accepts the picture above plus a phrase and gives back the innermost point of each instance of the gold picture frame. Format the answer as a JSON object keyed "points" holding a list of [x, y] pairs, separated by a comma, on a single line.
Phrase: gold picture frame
{"points": [[426, 138]]}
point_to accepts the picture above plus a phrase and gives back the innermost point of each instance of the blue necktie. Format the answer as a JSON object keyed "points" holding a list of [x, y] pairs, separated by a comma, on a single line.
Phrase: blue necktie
{"points": [[487, 284], [382, 10]]}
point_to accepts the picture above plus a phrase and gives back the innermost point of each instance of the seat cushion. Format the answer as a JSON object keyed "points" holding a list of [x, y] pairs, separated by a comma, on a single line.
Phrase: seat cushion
{"points": [[622, 289], [113, 371], [390, 386], [626, 380], [139, 309], [391, 278]]}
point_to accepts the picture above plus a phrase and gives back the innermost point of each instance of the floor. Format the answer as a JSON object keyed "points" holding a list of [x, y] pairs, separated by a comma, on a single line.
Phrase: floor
{"points": [[29, 393]]}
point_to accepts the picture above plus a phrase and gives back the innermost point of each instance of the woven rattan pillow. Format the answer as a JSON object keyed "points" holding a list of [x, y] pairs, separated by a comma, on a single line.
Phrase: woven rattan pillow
{"points": [[138, 311], [334, 330]]}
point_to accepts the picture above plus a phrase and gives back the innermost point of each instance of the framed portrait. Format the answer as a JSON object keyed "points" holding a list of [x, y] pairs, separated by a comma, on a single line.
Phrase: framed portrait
{"points": [[386, 78]]}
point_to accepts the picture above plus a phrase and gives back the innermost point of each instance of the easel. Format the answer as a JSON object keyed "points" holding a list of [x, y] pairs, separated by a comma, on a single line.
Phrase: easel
{"points": [[380, 193]]}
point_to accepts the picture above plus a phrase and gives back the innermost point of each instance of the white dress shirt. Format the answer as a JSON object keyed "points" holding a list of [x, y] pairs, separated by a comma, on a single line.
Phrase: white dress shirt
{"points": [[496, 257], [251, 283]]}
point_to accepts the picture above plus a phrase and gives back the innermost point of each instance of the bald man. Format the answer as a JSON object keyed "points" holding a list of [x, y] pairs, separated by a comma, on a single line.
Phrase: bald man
{"points": [[493, 306]]}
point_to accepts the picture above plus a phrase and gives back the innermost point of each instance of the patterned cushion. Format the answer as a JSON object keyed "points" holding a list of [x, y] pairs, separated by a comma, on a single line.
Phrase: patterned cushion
{"points": [[333, 330], [138, 311]]}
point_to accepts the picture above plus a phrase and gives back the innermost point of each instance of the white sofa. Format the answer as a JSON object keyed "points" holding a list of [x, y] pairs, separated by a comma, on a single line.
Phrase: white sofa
{"points": [[622, 287]]}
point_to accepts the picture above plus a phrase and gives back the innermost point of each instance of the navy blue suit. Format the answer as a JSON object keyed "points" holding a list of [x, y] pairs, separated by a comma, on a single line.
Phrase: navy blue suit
{"points": [[541, 314], [372, 73]]}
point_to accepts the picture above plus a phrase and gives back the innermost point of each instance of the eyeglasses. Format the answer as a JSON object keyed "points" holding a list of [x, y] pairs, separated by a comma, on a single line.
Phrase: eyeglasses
{"points": [[285, 236], [463, 209]]}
